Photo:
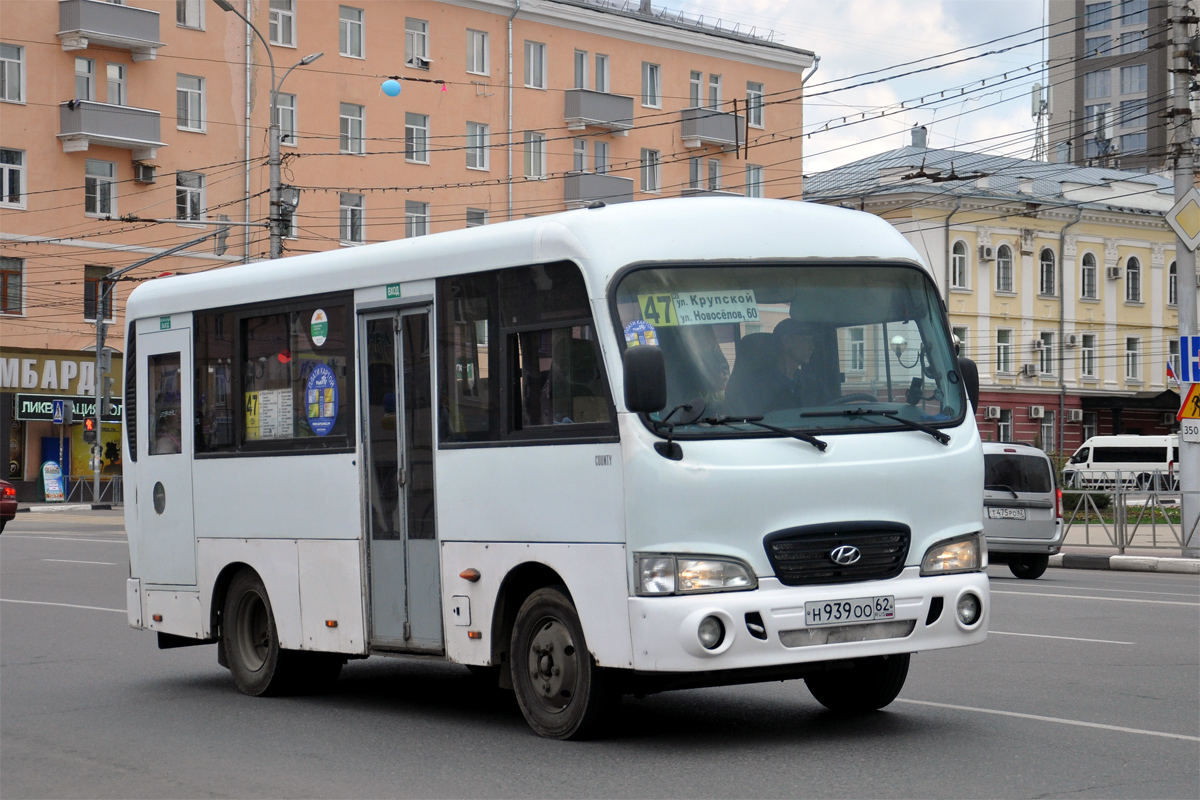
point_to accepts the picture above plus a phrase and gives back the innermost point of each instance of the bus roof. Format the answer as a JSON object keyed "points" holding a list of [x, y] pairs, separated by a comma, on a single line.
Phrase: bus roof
{"points": [[600, 240]]}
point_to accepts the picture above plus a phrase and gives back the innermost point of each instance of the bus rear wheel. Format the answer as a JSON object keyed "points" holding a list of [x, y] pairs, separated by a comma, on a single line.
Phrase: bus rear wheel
{"points": [[561, 691], [869, 685], [1028, 567], [251, 639]]}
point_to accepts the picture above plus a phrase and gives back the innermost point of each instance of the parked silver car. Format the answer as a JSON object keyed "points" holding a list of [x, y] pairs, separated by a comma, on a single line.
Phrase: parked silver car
{"points": [[1022, 508]]}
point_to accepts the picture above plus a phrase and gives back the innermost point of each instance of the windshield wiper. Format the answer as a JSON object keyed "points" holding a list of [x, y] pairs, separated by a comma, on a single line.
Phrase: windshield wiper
{"points": [[994, 486], [877, 412], [757, 422]]}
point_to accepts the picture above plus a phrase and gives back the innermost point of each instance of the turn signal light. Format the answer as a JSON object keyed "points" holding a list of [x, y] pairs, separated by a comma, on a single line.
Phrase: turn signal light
{"points": [[471, 575], [331, 623], [156, 617], [474, 634]]}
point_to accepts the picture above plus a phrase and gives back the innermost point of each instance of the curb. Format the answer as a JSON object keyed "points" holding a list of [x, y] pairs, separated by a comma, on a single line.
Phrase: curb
{"points": [[56, 507], [1186, 566]]}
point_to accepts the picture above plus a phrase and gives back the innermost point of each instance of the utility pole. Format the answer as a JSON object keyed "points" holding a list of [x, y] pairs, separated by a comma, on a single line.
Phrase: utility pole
{"points": [[1182, 48]]}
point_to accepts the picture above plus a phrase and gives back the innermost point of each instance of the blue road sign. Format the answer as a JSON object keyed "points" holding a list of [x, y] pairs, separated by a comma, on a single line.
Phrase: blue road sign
{"points": [[1189, 358], [58, 412]]}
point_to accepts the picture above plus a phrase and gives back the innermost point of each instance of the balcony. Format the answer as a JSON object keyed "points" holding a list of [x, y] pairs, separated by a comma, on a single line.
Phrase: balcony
{"points": [[585, 188], [588, 109], [84, 123], [701, 127], [85, 23]]}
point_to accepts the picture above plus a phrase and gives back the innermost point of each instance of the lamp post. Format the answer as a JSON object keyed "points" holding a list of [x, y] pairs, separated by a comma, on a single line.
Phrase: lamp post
{"points": [[276, 219]]}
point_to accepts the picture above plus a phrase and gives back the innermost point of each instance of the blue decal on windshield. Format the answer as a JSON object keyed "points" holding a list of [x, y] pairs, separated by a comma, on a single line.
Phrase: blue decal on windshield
{"points": [[321, 395]]}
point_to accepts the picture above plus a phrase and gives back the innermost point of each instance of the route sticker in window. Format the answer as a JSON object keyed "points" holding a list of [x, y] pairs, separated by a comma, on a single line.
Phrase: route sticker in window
{"points": [[699, 308], [269, 414], [640, 332], [321, 397], [658, 309], [319, 329]]}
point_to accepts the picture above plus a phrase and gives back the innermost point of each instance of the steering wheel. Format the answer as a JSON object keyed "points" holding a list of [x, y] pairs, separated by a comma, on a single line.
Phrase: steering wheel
{"points": [[855, 397]]}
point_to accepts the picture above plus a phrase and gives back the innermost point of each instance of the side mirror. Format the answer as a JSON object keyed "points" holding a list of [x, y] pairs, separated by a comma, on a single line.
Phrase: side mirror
{"points": [[645, 379], [970, 376]]}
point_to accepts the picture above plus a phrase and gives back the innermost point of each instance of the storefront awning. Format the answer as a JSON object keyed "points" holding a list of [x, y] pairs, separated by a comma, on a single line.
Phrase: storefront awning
{"points": [[1167, 400]]}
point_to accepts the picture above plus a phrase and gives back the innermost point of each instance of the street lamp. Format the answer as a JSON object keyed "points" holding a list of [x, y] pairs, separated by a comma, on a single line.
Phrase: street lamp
{"points": [[276, 219]]}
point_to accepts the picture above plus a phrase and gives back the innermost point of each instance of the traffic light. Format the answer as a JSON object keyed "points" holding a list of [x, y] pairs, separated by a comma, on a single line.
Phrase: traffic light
{"points": [[89, 430], [68, 412], [106, 404]]}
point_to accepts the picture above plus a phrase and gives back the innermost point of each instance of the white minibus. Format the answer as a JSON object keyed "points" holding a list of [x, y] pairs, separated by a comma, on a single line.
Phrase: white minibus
{"points": [[1142, 462], [680, 443]]}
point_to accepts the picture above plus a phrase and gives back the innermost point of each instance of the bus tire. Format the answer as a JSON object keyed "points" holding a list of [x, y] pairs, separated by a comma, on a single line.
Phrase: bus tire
{"points": [[561, 691], [259, 666], [869, 685], [1028, 567]]}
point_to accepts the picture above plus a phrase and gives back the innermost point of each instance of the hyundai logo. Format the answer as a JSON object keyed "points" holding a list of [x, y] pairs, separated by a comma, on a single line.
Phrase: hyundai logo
{"points": [[845, 555]]}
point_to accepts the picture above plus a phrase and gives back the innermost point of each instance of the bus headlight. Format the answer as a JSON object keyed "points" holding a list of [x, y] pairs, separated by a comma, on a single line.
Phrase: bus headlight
{"points": [[963, 554], [670, 574]]}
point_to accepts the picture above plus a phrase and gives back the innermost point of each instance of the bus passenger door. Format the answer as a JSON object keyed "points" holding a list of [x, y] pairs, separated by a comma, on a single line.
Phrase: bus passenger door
{"points": [[402, 534], [165, 441]]}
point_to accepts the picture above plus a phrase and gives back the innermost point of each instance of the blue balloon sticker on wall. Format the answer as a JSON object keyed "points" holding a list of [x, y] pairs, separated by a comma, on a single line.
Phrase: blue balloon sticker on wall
{"points": [[321, 395]]}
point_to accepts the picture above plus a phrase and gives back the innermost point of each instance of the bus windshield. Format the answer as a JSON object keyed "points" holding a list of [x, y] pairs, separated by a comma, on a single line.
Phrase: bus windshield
{"points": [[796, 346]]}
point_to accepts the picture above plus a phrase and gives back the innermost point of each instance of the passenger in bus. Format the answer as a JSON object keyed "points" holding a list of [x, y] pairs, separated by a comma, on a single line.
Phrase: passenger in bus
{"points": [[797, 343], [167, 432], [757, 386]]}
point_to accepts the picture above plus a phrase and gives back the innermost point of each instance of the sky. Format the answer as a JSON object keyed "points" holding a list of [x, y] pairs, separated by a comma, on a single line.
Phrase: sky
{"points": [[856, 36]]}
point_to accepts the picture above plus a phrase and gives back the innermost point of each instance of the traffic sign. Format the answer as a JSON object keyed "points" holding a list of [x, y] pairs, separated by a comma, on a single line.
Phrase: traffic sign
{"points": [[1184, 218], [59, 411], [1190, 407]]}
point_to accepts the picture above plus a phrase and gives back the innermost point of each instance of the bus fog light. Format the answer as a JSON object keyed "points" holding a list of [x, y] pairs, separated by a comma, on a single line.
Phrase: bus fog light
{"points": [[969, 609], [711, 633]]}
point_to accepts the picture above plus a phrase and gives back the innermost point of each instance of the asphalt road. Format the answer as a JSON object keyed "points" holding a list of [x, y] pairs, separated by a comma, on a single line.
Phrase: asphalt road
{"points": [[1089, 686]]}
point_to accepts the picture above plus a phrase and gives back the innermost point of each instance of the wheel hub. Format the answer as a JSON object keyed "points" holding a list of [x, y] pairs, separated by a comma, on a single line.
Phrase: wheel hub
{"points": [[553, 666]]}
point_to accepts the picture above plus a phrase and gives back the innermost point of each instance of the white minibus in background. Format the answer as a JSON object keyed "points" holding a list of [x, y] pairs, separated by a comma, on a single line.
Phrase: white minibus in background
{"points": [[1142, 462], [679, 443]]}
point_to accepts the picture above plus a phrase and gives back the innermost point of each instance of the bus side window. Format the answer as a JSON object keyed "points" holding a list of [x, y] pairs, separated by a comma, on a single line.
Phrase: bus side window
{"points": [[131, 392], [215, 421], [1081, 456], [468, 409], [164, 425]]}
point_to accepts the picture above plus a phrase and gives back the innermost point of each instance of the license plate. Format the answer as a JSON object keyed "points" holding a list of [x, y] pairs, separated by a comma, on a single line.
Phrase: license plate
{"points": [[848, 612], [1006, 513]]}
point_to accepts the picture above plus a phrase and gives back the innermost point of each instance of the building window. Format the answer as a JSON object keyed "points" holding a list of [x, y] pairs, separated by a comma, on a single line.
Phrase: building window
{"points": [[858, 350], [116, 84], [477, 145], [1133, 143], [283, 22], [1173, 358], [476, 217], [416, 138], [1087, 277], [695, 88], [1172, 286], [535, 65], [416, 43], [714, 175], [1133, 281], [85, 79], [285, 118], [1046, 353], [92, 278], [1091, 424], [1004, 268], [963, 333], [11, 276], [579, 153], [1133, 361], [1133, 79], [12, 73], [650, 171], [754, 105], [1087, 355], [350, 213], [535, 154], [754, 180], [1004, 350], [99, 188], [651, 85], [601, 73], [1004, 428], [1049, 432], [600, 157], [958, 265], [350, 31], [581, 69], [1134, 42], [1132, 114], [477, 52], [416, 218], [189, 13], [1097, 84], [1134, 12], [12, 178], [189, 196], [714, 91], [1097, 16], [1096, 46], [189, 103], [694, 168], [352, 128], [1046, 273]]}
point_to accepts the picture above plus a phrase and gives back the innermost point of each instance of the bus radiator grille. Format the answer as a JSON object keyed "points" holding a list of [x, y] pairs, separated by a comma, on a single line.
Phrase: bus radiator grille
{"points": [[802, 556]]}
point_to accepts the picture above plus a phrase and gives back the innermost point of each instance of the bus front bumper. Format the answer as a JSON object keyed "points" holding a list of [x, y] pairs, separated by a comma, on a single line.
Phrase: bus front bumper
{"points": [[665, 630]]}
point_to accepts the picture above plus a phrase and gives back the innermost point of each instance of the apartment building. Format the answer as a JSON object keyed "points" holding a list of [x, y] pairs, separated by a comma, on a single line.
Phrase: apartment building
{"points": [[131, 128], [1060, 283], [1108, 69]]}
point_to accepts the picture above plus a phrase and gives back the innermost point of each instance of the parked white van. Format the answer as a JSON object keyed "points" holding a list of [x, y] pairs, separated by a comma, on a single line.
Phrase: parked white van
{"points": [[1144, 462]]}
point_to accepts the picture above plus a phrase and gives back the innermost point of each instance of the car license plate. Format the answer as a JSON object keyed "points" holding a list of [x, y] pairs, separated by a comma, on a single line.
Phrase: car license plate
{"points": [[1005, 513], [848, 612]]}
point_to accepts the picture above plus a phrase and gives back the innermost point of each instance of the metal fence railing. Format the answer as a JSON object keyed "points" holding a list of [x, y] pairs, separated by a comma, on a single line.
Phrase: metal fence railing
{"points": [[80, 490], [1125, 510]]}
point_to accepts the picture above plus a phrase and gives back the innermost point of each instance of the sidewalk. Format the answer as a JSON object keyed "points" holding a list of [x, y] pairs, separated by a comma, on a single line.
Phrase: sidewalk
{"points": [[1126, 563]]}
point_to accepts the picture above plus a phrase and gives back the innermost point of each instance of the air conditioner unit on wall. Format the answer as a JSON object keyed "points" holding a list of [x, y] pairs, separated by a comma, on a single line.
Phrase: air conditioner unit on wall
{"points": [[1112, 273], [1039, 344], [1074, 415], [991, 412], [1029, 370], [1072, 340], [1037, 412], [1168, 418], [987, 252], [144, 173]]}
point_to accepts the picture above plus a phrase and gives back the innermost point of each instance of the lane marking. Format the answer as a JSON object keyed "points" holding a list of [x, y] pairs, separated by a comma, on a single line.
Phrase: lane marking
{"points": [[1068, 638], [1110, 599], [62, 605], [65, 538], [69, 561], [1059, 720], [1137, 591]]}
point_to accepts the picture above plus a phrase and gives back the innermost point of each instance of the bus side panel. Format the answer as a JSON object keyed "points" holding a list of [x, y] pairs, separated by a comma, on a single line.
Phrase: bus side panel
{"points": [[275, 560], [278, 497], [593, 573], [331, 591]]}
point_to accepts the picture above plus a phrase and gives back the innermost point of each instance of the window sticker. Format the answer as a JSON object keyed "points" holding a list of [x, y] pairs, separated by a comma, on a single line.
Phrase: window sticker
{"points": [[269, 414], [319, 329], [699, 308], [640, 332], [321, 396]]}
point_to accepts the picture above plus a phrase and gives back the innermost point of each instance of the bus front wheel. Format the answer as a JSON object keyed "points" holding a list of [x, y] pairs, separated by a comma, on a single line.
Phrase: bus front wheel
{"points": [[869, 685], [560, 690], [251, 639]]}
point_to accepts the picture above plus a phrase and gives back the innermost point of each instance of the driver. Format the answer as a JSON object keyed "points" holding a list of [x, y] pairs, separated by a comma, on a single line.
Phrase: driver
{"points": [[797, 342]]}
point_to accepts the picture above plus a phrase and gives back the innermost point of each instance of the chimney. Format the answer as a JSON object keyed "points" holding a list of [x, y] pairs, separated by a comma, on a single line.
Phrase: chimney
{"points": [[920, 136]]}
